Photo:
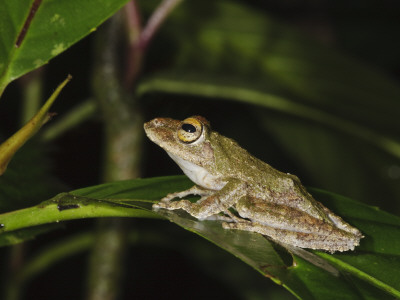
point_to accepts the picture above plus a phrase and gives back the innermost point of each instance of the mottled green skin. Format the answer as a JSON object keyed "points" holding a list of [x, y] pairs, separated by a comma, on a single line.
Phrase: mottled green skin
{"points": [[268, 201], [263, 181]]}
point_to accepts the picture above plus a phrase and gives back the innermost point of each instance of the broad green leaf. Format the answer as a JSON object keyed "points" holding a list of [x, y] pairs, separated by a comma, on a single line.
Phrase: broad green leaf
{"points": [[304, 278], [65, 207], [32, 32]]}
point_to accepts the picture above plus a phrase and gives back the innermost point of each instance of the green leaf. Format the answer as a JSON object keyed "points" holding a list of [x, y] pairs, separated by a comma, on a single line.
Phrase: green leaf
{"points": [[32, 31], [19, 236], [231, 91], [363, 272], [279, 63], [28, 179]]}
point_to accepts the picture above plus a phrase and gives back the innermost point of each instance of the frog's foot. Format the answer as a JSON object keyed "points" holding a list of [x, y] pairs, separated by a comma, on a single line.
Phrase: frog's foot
{"points": [[186, 205], [234, 218], [237, 223], [166, 204], [168, 198], [194, 190], [171, 196], [338, 221], [200, 211], [219, 218]]}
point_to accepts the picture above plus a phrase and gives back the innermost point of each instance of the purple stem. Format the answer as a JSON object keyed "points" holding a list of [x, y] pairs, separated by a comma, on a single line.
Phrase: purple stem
{"points": [[133, 21], [139, 41], [155, 21]]}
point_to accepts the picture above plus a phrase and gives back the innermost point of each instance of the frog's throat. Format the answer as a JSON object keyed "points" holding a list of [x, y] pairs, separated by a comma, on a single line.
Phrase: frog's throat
{"points": [[197, 174]]}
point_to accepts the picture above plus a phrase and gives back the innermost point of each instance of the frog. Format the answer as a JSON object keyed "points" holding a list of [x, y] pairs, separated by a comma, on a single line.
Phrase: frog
{"points": [[244, 192]]}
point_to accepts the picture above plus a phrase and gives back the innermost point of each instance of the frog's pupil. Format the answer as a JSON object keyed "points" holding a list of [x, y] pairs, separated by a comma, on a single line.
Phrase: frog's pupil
{"points": [[189, 128]]}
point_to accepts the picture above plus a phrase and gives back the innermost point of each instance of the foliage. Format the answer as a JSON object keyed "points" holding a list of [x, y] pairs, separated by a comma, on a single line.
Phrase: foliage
{"points": [[304, 278], [294, 101]]}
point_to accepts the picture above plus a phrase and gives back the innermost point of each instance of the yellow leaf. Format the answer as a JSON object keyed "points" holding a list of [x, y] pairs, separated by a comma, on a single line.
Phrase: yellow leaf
{"points": [[17, 140]]}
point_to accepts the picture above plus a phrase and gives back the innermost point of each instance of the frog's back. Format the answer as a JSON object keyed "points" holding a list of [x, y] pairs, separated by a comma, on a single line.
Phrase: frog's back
{"points": [[263, 180], [237, 162]]}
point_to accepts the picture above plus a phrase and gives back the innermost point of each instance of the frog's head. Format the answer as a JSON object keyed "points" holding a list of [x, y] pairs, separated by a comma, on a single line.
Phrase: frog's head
{"points": [[187, 139], [187, 143]]}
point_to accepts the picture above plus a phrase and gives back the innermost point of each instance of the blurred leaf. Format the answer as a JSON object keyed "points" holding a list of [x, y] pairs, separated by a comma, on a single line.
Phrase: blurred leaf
{"points": [[304, 279], [334, 117], [23, 235], [28, 179], [34, 31], [281, 61], [232, 91], [336, 161]]}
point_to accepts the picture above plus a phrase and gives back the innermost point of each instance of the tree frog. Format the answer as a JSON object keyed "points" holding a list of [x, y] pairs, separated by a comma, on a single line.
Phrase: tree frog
{"points": [[243, 191]]}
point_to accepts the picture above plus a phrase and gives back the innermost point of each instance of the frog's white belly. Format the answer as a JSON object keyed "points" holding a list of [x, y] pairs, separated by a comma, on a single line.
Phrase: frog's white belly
{"points": [[197, 174]]}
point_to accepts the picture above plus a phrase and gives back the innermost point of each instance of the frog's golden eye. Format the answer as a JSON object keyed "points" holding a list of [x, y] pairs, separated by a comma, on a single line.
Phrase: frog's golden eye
{"points": [[190, 130]]}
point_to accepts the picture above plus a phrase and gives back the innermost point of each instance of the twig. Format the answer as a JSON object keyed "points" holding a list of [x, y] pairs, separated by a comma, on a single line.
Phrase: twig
{"points": [[155, 21]]}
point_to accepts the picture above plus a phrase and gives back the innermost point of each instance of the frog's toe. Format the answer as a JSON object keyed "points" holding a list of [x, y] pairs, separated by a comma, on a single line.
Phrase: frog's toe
{"points": [[168, 198], [227, 225], [163, 204], [157, 205]]}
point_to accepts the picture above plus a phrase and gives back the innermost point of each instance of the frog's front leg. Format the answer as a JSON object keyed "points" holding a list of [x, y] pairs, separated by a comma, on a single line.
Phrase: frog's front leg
{"points": [[194, 190], [212, 203]]}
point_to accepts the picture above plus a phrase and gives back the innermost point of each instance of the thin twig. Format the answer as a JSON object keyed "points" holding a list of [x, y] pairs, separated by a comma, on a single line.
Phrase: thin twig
{"points": [[155, 21], [80, 113], [133, 21], [138, 43]]}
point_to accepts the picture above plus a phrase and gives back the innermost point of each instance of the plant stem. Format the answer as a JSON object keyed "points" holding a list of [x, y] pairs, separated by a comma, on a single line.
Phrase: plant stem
{"points": [[123, 138], [32, 95], [32, 90], [155, 21], [74, 117], [123, 132], [140, 40]]}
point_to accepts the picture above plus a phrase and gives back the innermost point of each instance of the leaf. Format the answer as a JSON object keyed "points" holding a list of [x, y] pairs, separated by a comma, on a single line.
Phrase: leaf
{"points": [[278, 63], [305, 280], [230, 91], [34, 31], [23, 235], [65, 207], [17, 140], [359, 274], [28, 179]]}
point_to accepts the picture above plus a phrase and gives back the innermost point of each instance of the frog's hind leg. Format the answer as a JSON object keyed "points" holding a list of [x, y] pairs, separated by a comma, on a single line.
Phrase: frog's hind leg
{"points": [[298, 239], [220, 218], [290, 226], [338, 221]]}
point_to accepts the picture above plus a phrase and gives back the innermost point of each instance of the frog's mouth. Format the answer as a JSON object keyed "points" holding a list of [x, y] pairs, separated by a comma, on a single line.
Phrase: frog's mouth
{"points": [[160, 130]]}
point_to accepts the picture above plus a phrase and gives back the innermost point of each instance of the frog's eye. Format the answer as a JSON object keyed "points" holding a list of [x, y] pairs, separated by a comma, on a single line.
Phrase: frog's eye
{"points": [[190, 130]]}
